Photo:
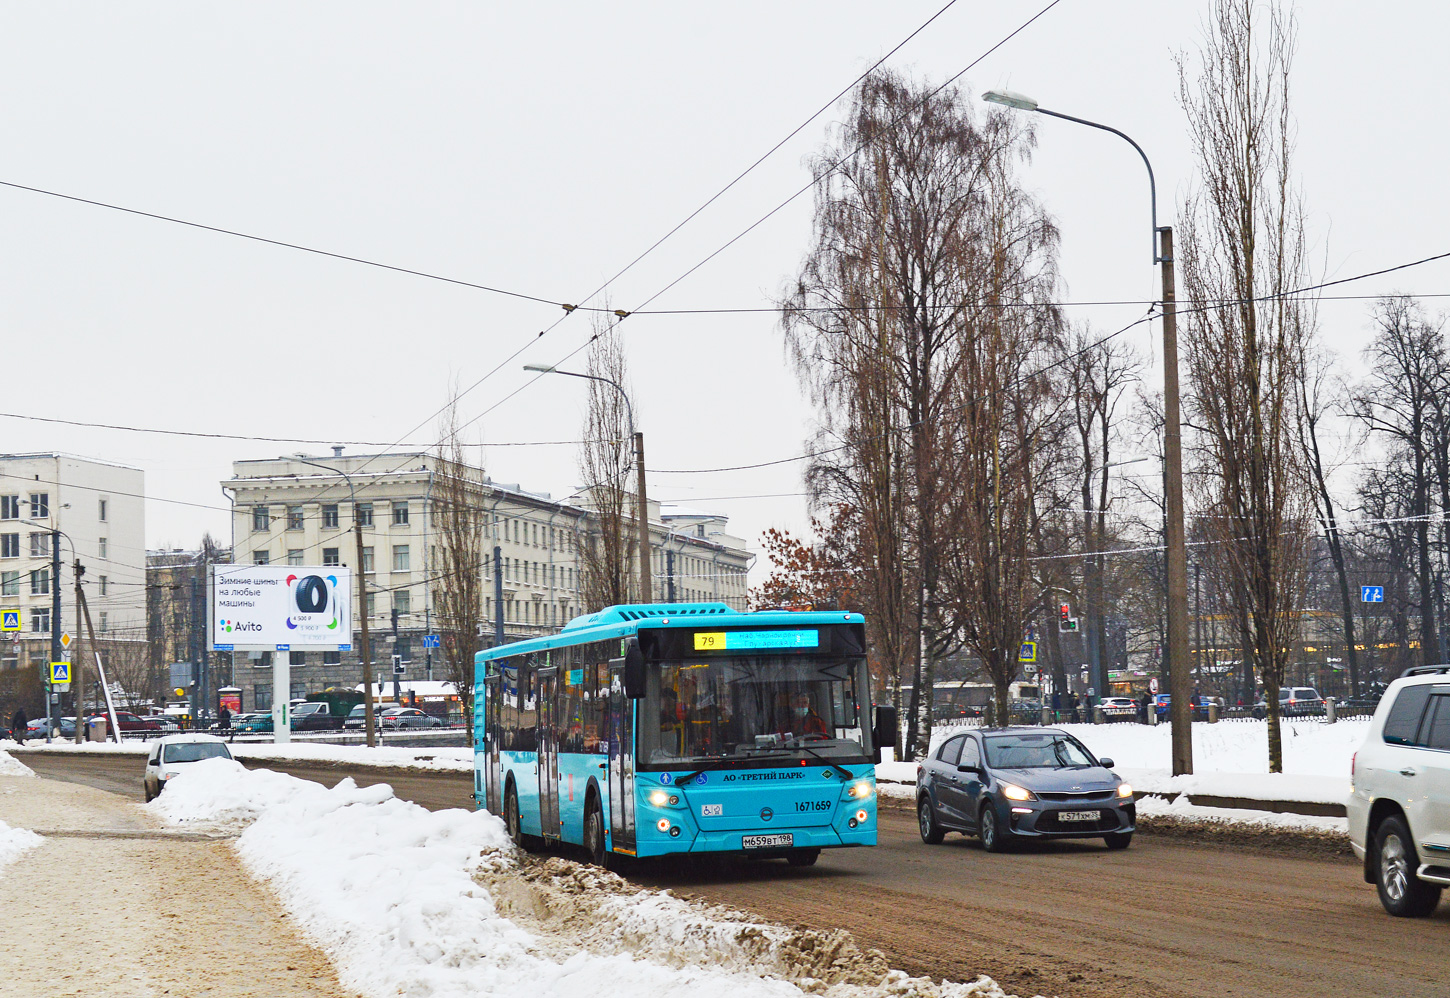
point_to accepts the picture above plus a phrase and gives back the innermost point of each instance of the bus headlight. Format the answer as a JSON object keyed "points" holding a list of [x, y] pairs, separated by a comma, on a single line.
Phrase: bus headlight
{"points": [[659, 798], [859, 791], [1125, 790], [1013, 792]]}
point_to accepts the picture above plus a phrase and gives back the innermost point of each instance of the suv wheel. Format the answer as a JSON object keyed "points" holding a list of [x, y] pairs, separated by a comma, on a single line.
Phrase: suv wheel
{"points": [[1401, 892], [931, 832]]}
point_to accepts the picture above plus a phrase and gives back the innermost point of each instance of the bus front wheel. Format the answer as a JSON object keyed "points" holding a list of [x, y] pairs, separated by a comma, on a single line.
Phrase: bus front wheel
{"points": [[594, 834]]}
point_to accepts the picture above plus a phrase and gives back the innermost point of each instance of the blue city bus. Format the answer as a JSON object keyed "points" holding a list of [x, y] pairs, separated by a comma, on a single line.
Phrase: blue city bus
{"points": [[665, 729]]}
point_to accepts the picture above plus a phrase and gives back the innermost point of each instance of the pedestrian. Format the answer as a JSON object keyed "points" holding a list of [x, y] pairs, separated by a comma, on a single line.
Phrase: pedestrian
{"points": [[224, 718], [1195, 705], [1056, 705], [1072, 702], [17, 725], [1143, 702]]}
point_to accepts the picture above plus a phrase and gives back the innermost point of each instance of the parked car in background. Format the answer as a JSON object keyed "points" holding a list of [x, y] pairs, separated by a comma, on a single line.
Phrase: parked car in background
{"points": [[256, 723], [1005, 784], [165, 723], [36, 728], [315, 716], [171, 754], [1367, 699], [129, 723], [1399, 802], [1119, 708], [356, 718], [395, 718]]}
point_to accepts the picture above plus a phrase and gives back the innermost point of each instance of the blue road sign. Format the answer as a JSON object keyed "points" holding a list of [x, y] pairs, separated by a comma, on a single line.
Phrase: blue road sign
{"points": [[60, 672], [430, 641], [9, 620], [1371, 594]]}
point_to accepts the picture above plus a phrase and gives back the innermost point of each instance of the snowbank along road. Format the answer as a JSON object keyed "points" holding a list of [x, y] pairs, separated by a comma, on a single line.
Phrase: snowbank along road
{"points": [[1071, 919]]}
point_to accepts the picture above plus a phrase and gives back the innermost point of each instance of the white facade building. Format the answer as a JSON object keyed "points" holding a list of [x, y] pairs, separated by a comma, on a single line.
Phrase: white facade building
{"points": [[100, 510]]}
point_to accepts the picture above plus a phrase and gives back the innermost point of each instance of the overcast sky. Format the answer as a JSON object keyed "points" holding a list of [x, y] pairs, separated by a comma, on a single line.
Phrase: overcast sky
{"points": [[540, 148]]}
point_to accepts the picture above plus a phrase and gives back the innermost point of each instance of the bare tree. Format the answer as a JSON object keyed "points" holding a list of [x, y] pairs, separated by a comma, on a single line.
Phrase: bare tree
{"points": [[459, 521], [607, 548], [1244, 248], [914, 196]]}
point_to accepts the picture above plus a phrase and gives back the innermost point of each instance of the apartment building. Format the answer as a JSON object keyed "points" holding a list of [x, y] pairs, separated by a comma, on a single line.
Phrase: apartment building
{"points": [[99, 510], [302, 510]]}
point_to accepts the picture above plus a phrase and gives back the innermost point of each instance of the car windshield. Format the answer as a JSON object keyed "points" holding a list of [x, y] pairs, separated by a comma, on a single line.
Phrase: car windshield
{"points": [[358, 711], [194, 752], [306, 708], [1036, 751], [754, 707]]}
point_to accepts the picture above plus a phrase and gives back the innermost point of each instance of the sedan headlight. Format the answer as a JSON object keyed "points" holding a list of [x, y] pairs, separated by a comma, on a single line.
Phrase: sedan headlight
{"points": [[1125, 790], [1013, 792]]}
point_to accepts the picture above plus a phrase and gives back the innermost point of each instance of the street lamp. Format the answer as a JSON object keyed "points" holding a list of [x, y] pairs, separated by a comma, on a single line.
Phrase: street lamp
{"points": [[642, 514], [366, 655], [1174, 542]]}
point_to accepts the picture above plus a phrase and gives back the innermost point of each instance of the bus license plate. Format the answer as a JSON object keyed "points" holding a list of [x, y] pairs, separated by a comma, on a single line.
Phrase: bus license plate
{"points": [[767, 841], [1078, 815]]}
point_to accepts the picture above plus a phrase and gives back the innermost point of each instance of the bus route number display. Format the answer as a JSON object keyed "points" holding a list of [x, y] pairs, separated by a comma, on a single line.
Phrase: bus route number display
{"points": [[755, 640]]}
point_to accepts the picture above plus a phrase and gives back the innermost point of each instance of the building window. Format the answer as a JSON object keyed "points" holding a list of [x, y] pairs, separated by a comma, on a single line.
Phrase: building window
{"points": [[367, 565], [261, 518], [332, 658], [294, 556], [295, 518], [261, 557], [40, 582], [403, 601], [400, 514], [105, 585], [329, 556], [39, 505], [104, 508], [101, 625], [400, 558], [40, 546], [363, 513], [40, 620], [329, 515], [101, 548], [370, 605], [9, 583], [9, 545], [9, 507], [262, 696], [297, 658]]}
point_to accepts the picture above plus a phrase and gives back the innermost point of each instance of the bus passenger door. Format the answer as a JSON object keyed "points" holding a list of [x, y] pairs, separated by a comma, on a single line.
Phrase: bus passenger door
{"points": [[548, 755], [621, 761], [492, 771]]}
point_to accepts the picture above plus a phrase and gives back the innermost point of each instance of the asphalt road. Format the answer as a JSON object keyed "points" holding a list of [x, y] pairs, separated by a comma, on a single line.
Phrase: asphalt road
{"points": [[1163, 918]]}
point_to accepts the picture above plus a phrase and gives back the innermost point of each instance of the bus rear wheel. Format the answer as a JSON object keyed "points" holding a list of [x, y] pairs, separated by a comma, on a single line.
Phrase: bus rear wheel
{"points": [[803, 857], [512, 821]]}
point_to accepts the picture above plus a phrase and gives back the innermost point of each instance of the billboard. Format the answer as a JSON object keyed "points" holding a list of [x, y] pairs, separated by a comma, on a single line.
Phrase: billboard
{"points": [[281, 608]]}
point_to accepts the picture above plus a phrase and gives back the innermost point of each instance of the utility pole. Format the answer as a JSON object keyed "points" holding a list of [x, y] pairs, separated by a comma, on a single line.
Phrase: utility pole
{"points": [[100, 669], [669, 575], [1176, 561], [366, 655], [643, 518], [80, 694], [201, 710], [498, 638], [428, 630], [77, 676], [397, 681]]}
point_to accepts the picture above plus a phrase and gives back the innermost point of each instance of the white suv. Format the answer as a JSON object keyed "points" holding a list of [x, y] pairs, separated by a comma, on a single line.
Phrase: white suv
{"points": [[1399, 807]]}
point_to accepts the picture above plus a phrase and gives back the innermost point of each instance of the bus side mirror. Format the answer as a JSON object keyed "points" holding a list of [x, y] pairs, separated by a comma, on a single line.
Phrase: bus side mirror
{"points": [[887, 729], [634, 672]]}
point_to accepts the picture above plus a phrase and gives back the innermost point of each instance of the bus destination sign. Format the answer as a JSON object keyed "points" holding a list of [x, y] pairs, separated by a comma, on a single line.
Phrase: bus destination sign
{"points": [[755, 640]]}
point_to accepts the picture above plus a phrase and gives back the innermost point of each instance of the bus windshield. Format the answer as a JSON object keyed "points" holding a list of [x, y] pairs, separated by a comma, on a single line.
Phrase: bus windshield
{"points": [[755, 707]]}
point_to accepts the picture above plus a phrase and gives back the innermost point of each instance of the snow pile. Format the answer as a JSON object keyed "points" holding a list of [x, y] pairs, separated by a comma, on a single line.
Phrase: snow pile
{"points": [[449, 759], [411, 902], [1179, 807], [14, 842], [10, 766]]}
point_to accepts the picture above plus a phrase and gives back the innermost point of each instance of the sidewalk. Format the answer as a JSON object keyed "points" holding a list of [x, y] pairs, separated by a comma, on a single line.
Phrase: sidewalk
{"points": [[113, 904]]}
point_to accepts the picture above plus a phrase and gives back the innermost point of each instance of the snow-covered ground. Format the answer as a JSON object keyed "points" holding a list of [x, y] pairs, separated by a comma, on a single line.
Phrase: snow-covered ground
{"points": [[11, 766], [14, 841], [1179, 807], [445, 759], [411, 902], [1230, 759]]}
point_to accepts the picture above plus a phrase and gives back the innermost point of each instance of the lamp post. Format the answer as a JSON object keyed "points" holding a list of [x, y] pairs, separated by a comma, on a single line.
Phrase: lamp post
{"points": [[366, 653], [1175, 545], [642, 514]]}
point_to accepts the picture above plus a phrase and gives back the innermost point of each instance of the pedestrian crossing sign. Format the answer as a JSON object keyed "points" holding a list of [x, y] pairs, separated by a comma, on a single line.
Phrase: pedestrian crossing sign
{"points": [[9, 620], [60, 672]]}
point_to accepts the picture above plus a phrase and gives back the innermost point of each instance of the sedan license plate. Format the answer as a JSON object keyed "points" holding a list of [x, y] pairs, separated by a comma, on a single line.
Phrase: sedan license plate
{"points": [[1078, 815], [767, 841]]}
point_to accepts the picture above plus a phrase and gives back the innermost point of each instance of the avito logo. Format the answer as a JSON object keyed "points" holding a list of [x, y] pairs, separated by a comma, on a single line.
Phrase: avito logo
{"points": [[238, 625]]}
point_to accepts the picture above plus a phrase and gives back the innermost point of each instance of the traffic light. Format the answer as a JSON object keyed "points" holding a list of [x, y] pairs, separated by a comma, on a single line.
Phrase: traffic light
{"points": [[1066, 622]]}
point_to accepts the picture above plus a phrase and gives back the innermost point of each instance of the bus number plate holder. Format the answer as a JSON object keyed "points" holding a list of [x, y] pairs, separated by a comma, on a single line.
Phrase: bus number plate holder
{"points": [[768, 841]]}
